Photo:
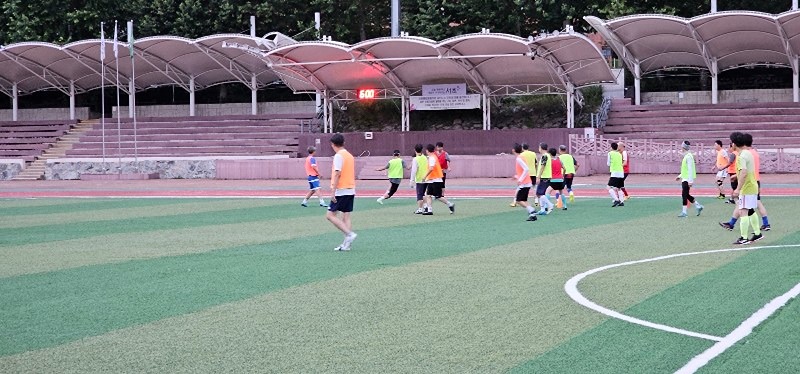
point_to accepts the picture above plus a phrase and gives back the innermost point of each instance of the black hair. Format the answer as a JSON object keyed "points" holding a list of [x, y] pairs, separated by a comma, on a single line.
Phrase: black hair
{"points": [[719, 142], [440, 144], [517, 148], [418, 148], [430, 147], [562, 148], [614, 146], [552, 152], [738, 139], [543, 146], [525, 146], [337, 140], [748, 140], [396, 152]]}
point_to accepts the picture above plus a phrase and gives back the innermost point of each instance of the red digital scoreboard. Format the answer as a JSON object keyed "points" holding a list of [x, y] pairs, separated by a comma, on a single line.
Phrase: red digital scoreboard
{"points": [[366, 94]]}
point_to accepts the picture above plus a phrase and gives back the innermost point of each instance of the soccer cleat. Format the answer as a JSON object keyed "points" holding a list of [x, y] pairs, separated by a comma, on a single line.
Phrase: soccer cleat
{"points": [[621, 204], [571, 197], [323, 205], [741, 241], [721, 197], [304, 205], [616, 203], [419, 211], [531, 218], [380, 200], [542, 212], [564, 208], [683, 215], [513, 205], [699, 209], [766, 227], [427, 213], [627, 197], [726, 225], [452, 208], [730, 201], [756, 238]]}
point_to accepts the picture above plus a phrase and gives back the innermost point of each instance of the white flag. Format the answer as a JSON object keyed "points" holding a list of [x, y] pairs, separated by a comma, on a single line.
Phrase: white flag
{"points": [[116, 48], [102, 43]]}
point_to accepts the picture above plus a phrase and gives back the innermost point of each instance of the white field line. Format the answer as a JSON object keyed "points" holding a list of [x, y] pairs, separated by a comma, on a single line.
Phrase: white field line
{"points": [[571, 287], [740, 332]]}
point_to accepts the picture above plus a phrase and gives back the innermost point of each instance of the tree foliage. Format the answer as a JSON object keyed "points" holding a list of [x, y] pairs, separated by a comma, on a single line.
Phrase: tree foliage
{"points": [[63, 21]]}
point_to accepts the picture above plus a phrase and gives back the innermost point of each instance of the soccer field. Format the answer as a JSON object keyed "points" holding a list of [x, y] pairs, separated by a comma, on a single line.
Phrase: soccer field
{"points": [[253, 285]]}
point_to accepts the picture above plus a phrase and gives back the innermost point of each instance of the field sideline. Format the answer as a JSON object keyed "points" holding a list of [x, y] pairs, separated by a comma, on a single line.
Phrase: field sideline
{"points": [[208, 285]]}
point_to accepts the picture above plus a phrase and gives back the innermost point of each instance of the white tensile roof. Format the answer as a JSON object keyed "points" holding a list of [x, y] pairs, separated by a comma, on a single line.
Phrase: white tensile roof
{"points": [[716, 41], [498, 64]]}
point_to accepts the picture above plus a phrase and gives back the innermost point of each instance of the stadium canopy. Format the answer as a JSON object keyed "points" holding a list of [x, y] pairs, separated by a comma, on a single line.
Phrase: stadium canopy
{"points": [[489, 64], [716, 42]]}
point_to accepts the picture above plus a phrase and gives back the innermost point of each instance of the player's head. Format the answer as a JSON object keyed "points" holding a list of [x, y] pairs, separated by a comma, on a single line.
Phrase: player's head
{"points": [[552, 152], [686, 145], [525, 147], [430, 148], [396, 153], [621, 146], [748, 140], [337, 140], [614, 146], [517, 148], [543, 147], [738, 140], [718, 145], [311, 150], [439, 146], [562, 149], [418, 148]]}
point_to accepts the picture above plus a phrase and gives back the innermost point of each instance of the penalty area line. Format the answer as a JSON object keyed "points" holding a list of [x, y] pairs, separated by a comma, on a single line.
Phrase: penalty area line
{"points": [[741, 332]]}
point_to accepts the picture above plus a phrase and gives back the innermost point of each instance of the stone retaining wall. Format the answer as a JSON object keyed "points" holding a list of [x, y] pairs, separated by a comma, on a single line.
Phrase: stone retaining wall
{"points": [[166, 169], [44, 114], [9, 170]]}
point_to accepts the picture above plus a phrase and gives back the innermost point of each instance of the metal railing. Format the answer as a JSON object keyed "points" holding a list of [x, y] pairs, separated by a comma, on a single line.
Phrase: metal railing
{"points": [[599, 119]]}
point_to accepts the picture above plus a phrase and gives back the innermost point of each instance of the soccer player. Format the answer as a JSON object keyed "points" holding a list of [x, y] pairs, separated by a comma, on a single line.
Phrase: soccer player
{"points": [[617, 179], [543, 176], [419, 167], [626, 168], [557, 179], [313, 178], [530, 159], [687, 177], [721, 167], [570, 168], [765, 226], [434, 179], [444, 161], [746, 191], [732, 155], [394, 169], [522, 178], [343, 191]]}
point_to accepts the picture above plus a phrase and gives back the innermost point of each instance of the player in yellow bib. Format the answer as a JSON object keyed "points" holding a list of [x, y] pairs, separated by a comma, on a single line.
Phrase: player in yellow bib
{"points": [[687, 177], [746, 191], [394, 168], [419, 167]]}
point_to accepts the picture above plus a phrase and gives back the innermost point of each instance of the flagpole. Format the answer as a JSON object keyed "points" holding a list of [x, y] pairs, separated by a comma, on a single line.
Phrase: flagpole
{"points": [[119, 118], [103, 89], [133, 79]]}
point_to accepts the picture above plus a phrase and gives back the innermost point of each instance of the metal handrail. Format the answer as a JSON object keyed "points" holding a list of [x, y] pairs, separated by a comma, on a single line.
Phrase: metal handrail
{"points": [[602, 113]]}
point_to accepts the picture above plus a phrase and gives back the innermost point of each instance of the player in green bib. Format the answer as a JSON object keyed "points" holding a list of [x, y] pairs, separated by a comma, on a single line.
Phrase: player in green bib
{"points": [[746, 191], [394, 169], [419, 168], [687, 177], [570, 168], [617, 180]]}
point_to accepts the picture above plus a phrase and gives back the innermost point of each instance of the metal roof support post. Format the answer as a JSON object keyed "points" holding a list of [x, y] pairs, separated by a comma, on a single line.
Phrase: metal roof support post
{"points": [[637, 84], [485, 107], [191, 96], [794, 4], [795, 87], [713, 6], [395, 18], [570, 106], [253, 96], [14, 102], [714, 83], [404, 112], [131, 94], [326, 109], [72, 100]]}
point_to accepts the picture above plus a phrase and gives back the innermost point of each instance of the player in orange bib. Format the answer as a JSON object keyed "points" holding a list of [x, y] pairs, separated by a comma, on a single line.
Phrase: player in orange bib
{"points": [[343, 187]]}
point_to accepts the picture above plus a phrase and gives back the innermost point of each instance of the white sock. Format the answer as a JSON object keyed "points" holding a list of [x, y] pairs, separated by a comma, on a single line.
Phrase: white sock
{"points": [[683, 209], [697, 204], [621, 195], [305, 201], [613, 194]]}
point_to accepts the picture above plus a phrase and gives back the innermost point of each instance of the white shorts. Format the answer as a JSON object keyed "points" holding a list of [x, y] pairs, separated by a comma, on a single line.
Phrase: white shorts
{"points": [[722, 174], [748, 202]]}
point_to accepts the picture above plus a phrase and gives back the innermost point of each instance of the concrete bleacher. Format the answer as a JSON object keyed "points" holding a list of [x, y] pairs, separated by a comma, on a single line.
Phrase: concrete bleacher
{"points": [[773, 125], [270, 134], [27, 140]]}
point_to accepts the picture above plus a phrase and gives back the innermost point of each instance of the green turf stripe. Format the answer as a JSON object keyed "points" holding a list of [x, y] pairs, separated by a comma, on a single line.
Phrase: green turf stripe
{"points": [[44, 310], [51, 233], [714, 302], [83, 205]]}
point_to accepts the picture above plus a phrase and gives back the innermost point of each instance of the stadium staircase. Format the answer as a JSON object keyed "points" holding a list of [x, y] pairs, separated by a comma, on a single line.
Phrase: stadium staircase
{"points": [[773, 125], [36, 169]]}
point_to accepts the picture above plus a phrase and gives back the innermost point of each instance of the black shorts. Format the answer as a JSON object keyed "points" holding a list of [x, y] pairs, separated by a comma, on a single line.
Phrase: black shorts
{"points": [[435, 189], [421, 187], [568, 178], [625, 176], [557, 185], [616, 182], [541, 188], [343, 204], [734, 182], [444, 179], [522, 193]]}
